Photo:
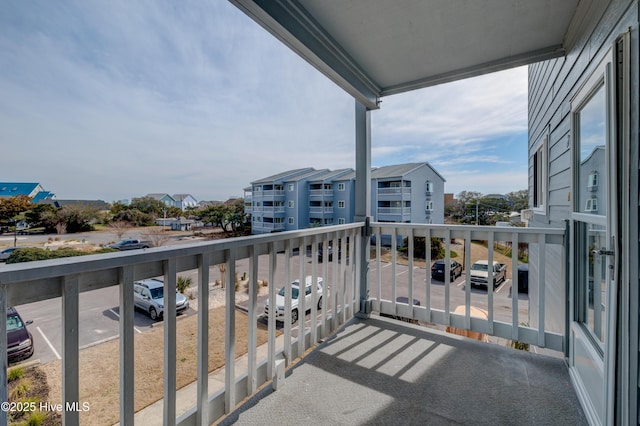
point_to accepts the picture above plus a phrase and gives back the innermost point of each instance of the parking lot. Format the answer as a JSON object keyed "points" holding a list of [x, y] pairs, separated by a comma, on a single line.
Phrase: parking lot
{"points": [[99, 313]]}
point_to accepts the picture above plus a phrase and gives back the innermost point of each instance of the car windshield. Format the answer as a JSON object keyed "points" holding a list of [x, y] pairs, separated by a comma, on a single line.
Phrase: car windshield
{"points": [[14, 323], [480, 267], [438, 266], [157, 293], [294, 290]]}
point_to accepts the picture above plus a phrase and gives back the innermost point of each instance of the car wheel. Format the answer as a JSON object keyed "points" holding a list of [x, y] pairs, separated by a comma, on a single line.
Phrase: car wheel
{"points": [[294, 316], [320, 304], [153, 314]]}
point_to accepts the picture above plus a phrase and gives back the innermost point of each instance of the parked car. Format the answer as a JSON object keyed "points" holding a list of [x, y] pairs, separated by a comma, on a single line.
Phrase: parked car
{"points": [[295, 290], [6, 253], [19, 339], [329, 252], [148, 295], [438, 268], [480, 273], [129, 244]]}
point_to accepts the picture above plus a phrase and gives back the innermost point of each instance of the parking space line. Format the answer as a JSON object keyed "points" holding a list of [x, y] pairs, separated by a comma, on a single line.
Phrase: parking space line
{"points": [[49, 343], [116, 314]]}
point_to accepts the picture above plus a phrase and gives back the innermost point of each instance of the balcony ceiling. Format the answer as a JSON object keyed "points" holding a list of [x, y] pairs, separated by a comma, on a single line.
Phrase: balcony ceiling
{"points": [[375, 48]]}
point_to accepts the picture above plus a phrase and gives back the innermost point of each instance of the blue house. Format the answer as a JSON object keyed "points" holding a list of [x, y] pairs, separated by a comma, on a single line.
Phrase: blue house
{"points": [[33, 190]]}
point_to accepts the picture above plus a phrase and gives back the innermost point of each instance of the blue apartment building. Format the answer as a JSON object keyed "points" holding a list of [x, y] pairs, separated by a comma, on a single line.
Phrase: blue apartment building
{"points": [[305, 198]]}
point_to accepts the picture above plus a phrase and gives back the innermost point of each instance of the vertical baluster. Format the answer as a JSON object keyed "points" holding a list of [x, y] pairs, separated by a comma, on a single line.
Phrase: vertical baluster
{"points": [[514, 285], [70, 347], [541, 287], [394, 249], [335, 285], [253, 321], [230, 333], [343, 274], [378, 268], [325, 285], [302, 296], [490, 281], [287, 302], [427, 257], [203, 340], [447, 277], [127, 364], [314, 292], [410, 252], [271, 345], [467, 268], [170, 338]]}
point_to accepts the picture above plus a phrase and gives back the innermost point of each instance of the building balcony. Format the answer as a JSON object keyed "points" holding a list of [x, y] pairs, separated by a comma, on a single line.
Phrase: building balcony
{"points": [[394, 214], [321, 210], [321, 193], [365, 369], [394, 191]]}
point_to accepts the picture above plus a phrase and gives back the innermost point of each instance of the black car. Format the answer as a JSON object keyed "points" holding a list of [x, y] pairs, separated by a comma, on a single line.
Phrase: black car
{"points": [[19, 339], [437, 270]]}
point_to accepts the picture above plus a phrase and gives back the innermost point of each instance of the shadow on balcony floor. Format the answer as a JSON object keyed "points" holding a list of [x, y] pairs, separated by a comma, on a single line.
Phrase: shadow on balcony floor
{"points": [[381, 371]]}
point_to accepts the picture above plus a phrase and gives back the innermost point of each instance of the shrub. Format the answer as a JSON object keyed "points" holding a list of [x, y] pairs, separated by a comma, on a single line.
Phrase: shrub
{"points": [[15, 373], [183, 284], [36, 418]]}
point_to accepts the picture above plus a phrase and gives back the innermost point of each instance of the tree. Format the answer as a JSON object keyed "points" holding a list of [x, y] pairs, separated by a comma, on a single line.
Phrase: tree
{"points": [[12, 206], [119, 227], [519, 199]]}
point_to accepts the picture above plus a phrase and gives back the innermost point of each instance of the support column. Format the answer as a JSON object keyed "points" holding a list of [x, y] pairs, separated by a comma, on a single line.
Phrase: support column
{"points": [[363, 203]]}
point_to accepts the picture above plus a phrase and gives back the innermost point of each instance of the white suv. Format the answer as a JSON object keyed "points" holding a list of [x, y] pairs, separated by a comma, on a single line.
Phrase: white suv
{"points": [[148, 295], [295, 290]]}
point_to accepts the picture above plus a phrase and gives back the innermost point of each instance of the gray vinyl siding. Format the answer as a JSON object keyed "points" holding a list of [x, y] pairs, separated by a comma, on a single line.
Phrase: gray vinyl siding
{"points": [[552, 85]]}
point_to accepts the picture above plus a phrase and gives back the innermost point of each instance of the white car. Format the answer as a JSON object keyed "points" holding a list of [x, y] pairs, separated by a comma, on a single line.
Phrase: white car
{"points": [[295, 290], [149, 297]]}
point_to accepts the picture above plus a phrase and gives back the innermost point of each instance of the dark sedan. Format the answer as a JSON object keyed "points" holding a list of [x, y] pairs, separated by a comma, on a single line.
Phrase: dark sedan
{"points": [[437, 270]]}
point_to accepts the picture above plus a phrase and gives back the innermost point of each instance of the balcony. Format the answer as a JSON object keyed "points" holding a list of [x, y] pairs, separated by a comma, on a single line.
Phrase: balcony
{"points": [[322, 193], [364, 369], [321, 210]]}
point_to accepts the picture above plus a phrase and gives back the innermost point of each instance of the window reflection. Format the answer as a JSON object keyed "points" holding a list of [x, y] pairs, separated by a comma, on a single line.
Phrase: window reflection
{"points": [[592, 135]]}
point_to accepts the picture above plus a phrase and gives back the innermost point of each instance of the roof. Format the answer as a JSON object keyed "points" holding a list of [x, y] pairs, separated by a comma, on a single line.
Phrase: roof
{"points": [[281, 176], [12, 189], [308, 175], [331, 175], [399, 170], [159, 196], [376, 48], [181, 197]]}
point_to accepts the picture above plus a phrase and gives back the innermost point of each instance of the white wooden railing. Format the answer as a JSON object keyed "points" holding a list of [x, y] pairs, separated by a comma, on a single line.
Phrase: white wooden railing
{"points": [[422, 288], [67, 278]]}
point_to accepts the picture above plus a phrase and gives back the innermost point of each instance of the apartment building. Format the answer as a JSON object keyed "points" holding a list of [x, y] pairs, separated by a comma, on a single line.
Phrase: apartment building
{"points": [[305, 198]]}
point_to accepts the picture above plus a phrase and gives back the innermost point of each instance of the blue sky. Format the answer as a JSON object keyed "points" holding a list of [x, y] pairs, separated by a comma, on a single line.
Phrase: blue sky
{"points": [[113, 100]]}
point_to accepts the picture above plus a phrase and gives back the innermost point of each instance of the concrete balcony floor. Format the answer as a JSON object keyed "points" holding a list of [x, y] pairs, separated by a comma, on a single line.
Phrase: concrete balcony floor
{"points": [[381, 371]]}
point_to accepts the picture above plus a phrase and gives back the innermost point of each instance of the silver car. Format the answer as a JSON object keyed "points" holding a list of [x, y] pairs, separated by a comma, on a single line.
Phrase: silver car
{"points": [[148, 295]]}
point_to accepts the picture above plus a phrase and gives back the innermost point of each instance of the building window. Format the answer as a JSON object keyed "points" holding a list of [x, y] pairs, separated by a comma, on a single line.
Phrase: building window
{"points": [[290, 187], [341, 221], [540, 175], [429, 187], [257, 188], [341, 187], [291, 222], [291, 204], [428, 205], [591, 205], [592, 181], [341, 204]]}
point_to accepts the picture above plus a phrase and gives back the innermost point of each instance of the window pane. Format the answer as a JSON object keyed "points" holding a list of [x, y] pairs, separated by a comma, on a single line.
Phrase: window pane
{"points": [[592, 279], [592, 136]]}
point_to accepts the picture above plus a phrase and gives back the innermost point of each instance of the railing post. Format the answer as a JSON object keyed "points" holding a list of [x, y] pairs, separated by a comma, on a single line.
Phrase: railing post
{"points": [[203, 340], [3, 350], [170, 340], [71, 351], [230, 333], [127, 360]]}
